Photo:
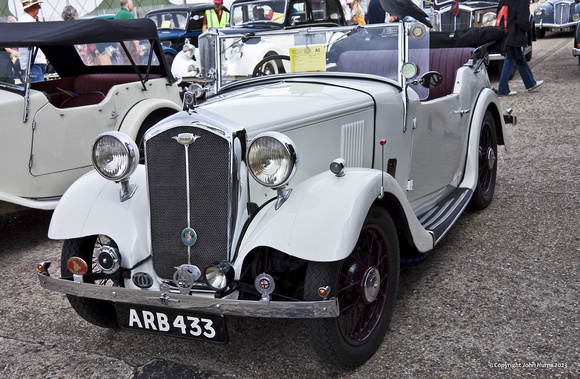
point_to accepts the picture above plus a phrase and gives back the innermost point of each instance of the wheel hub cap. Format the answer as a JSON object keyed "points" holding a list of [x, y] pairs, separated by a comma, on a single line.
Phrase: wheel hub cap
{"points": [[371, 285], [490, 158]]}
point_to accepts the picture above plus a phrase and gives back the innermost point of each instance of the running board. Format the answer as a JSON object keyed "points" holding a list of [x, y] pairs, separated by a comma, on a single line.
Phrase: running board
{"points": [[442, 217]]}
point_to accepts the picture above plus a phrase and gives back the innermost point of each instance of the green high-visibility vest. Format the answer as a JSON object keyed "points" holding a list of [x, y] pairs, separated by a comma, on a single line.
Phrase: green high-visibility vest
{"points": [[212, 19]]}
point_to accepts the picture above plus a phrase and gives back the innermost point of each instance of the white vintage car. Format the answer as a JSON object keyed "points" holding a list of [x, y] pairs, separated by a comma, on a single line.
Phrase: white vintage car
{"points": [[247, 18], [294, 195], [104, 76]]}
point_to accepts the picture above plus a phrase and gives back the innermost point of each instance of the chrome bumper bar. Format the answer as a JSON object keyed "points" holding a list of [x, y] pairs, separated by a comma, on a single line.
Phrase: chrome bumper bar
{"points": [[575, 52], [249, 308], [567, 25]]}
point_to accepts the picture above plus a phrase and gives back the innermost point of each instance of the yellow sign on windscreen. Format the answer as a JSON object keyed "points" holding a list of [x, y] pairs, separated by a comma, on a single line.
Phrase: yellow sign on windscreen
{"points": [[308, 58]]}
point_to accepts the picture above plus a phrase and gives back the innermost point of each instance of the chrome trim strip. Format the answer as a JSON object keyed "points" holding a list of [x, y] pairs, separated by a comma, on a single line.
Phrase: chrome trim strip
{"points": [[249, 308]]}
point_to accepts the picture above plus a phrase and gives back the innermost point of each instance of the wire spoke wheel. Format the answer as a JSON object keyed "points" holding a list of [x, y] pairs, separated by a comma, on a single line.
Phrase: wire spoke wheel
{"points": [[365, 284], [363, 287]]}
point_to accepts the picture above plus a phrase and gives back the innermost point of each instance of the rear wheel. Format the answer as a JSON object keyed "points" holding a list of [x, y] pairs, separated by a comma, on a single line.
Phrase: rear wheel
{"points": [[487, 163], [365, 284], [98, 312]]}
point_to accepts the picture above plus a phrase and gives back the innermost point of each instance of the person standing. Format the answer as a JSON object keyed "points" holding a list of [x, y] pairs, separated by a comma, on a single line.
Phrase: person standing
{"points": [[31, 9], [514, 18], [216, 17], [125, 11]]}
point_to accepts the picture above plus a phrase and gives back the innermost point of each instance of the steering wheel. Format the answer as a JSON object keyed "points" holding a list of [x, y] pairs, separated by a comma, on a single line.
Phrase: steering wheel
{"points": [[270, 65]]}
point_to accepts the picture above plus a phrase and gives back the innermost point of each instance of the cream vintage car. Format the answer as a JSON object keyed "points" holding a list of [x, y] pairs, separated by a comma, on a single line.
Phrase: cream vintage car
{"points": [[104, 75], [294, 195]]}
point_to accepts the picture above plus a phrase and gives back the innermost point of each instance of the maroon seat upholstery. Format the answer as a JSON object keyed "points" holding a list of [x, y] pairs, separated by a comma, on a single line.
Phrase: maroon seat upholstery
{"points": [[446, 61], [93, 88], [82, 99]]}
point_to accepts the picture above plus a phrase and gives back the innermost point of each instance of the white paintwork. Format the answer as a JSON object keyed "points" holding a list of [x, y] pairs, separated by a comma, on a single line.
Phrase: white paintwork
{"points": [[58, 149]]}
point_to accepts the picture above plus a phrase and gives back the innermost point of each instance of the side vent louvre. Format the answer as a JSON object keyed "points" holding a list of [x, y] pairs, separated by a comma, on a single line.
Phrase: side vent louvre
{"points": [[351, 147]]}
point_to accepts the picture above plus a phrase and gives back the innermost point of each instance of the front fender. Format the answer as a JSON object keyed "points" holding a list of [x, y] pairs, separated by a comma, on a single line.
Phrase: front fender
{"points": [[135, 118], [92, 206], [322, 218], [486, 100]]}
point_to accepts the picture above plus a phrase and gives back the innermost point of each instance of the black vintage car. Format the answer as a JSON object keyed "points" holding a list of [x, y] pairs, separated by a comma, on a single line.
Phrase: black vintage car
{"points": [[474, 14]]}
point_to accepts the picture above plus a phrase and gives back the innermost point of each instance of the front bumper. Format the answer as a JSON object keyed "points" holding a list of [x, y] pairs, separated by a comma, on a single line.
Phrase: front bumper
{"points": [[557, 27], [248, 308], [575, 52]]}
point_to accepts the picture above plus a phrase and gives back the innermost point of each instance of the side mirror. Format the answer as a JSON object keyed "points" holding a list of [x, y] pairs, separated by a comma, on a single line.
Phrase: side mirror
{"points": [[431, 79]]}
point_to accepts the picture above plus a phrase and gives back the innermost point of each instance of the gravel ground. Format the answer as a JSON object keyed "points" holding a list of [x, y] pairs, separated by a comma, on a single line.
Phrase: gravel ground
{"points": [[498, 297]]}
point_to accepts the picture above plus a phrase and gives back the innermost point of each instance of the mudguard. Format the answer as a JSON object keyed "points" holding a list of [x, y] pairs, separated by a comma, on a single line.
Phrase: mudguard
{"points": [[134, 119], [322, 218], [485, 99], [92, 206]]}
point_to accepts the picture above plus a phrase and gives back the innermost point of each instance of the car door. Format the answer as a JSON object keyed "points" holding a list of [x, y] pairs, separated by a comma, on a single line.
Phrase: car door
{"points": [[63, 137], [440, 129]]}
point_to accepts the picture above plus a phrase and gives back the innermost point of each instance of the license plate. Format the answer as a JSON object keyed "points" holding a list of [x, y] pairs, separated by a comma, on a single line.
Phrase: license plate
{"points": [[173, 322], [562, 29]]}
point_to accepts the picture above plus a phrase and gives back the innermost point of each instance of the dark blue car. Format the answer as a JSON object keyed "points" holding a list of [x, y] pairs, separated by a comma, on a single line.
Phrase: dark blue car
{"points": [[176, 23]]}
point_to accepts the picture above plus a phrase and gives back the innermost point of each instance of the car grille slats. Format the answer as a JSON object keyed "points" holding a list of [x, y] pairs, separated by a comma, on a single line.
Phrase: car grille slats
{"points": [[209, 184], [561, 13], [450, 22]]}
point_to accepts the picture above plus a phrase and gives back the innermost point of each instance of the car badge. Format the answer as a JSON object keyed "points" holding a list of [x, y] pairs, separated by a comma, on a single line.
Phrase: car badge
{"points": [[185, 276], [186, 139], [418, 31], [142, 280], [265, 285], [188, 237]]}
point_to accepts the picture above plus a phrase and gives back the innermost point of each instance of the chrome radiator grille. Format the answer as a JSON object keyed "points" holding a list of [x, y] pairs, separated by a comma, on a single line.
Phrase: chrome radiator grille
{"points": [[561, 13], [209, 186], [450, 22]]}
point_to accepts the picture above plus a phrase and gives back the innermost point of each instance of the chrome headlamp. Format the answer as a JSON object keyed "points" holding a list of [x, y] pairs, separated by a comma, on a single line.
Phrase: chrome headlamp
{"points": [[488, 19], [188, 50], [219, 275], [272, 159], [115, 156]]}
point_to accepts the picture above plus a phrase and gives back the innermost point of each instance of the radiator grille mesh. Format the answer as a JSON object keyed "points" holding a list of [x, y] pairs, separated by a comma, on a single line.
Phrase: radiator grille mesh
{"points": [[209, 174]]}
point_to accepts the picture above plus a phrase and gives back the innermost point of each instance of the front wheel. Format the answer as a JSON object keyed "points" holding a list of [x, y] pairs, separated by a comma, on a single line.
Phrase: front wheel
{"points": [[98, 312], [365, 284], [487, 163], [270, 65]]}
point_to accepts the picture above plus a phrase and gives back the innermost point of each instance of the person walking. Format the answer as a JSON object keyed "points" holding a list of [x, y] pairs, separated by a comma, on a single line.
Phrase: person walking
{"points": [[514, 17], [31, 9], [216, 17], [125, 11]]}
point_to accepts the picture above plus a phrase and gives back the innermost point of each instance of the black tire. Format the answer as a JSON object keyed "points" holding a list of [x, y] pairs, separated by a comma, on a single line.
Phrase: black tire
{"points": [[271, 64], [147, 124], [540, 33], [487, 163], [169, 58], [355, 335], [529, 56], [98, 312]]}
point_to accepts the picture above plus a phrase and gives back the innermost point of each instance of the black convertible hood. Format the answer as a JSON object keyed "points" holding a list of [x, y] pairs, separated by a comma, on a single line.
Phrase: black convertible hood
{"points": [[23, 34]]}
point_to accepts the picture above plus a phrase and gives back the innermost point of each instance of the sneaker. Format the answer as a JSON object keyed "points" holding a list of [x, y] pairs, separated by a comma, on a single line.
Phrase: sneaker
{"points": [[536, 86], [512, 93]]}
